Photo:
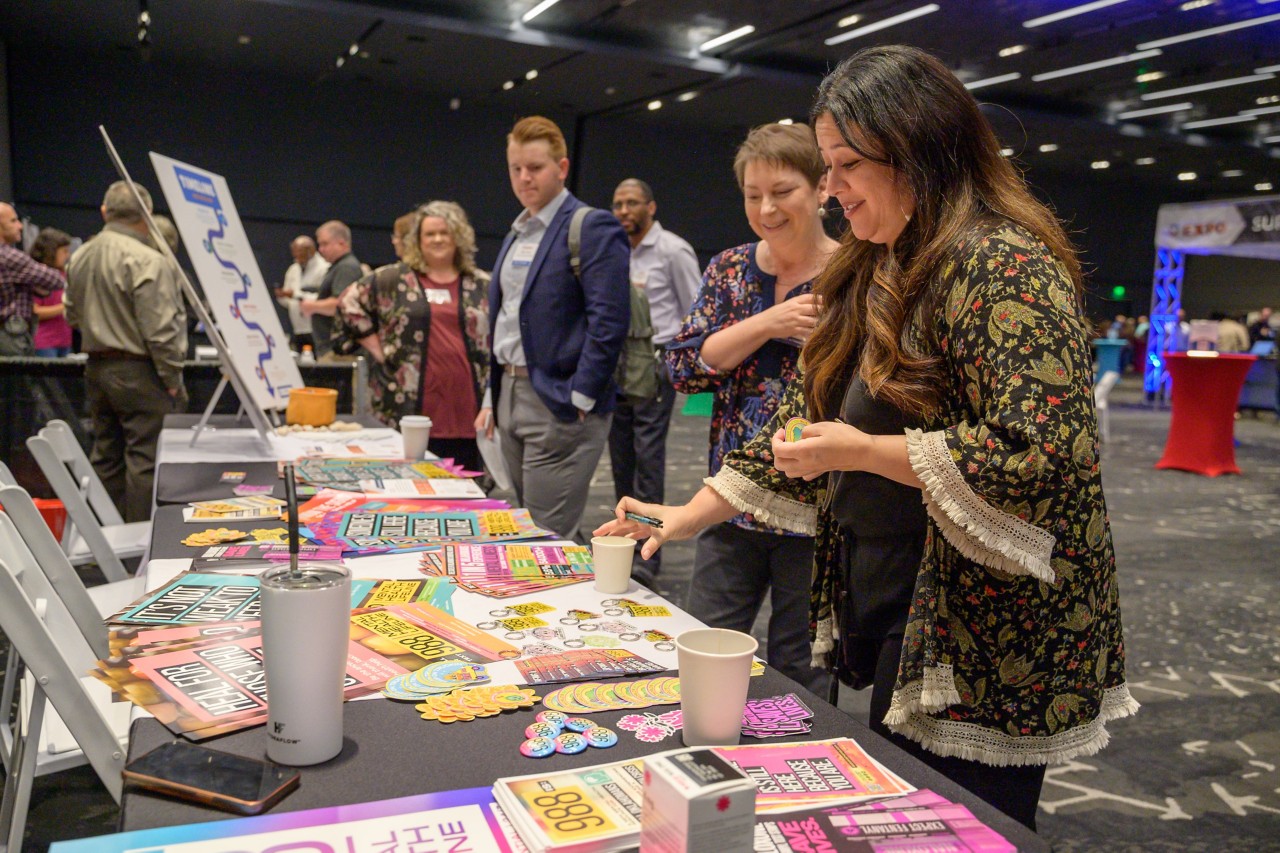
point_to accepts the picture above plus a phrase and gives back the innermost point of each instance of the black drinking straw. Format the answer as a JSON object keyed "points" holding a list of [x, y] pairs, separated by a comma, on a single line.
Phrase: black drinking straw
{"points": [[291, 496]]}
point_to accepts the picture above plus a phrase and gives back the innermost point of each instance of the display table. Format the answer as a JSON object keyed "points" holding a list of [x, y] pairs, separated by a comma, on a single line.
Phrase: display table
{"points": [[390, 752], [1202, 428], [1110, 355]]}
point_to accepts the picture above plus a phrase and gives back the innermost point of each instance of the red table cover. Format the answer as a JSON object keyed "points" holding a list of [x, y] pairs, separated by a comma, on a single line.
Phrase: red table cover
{"points": [[1206, 390]]}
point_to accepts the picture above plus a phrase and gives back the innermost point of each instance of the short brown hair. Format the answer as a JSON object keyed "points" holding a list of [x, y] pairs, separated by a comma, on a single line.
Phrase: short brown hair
{"points": [[792, 145], [533, 128]]}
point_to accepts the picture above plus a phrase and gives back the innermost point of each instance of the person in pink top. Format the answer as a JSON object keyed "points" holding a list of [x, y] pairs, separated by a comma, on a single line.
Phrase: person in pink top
{"points": [[53, 336]]}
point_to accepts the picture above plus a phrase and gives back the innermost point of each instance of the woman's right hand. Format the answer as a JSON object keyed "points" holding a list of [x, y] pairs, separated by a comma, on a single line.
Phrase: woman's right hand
{"points": [[484, 422], [793, 318], [676, 525]]}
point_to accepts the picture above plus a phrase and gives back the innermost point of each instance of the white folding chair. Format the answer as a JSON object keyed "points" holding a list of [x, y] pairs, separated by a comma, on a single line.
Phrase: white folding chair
{"points": [[83, 725], [1101, 391], [95, 531]]}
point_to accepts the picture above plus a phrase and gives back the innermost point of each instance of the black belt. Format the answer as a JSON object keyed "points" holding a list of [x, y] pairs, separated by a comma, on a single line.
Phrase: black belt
{"points": [[116, 355]]}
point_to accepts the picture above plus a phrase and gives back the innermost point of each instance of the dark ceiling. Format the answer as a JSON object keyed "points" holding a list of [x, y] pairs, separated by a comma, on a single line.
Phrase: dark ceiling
{"points": [[619, 57]]}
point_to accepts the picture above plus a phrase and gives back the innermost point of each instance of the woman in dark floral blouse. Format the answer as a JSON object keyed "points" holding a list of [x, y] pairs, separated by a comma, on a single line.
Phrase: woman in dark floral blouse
{"points": [[425, 322], [742, 340], [950, 363]]}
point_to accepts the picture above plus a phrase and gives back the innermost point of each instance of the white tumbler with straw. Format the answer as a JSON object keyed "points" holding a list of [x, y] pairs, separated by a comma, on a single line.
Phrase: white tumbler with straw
{"points": [[306, 613]]}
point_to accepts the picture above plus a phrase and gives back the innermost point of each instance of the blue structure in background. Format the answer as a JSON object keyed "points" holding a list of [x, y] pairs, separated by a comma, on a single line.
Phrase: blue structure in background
{"points": [[1166, 297]]}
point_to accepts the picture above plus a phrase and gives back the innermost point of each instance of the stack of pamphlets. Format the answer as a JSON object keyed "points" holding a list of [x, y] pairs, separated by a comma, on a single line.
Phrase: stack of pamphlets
{"points": [[920, 821], [360, 533], [399, 478], [598, 808], [251, 508], [326, 501], [588, 810], [500, 571]]}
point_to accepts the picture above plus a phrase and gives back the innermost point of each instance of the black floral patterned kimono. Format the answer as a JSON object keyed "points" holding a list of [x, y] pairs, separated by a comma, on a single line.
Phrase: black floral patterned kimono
{"points": [[390, 302], [1013, 653]]}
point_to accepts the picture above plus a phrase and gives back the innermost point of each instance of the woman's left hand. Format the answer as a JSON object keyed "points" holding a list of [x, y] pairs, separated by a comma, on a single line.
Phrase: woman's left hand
{"points": [[823, 447]]}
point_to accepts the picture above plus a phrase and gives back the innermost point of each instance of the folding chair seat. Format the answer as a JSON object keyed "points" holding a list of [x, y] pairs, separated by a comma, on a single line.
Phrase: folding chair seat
{"points": [[83, 725], [95, 532]]}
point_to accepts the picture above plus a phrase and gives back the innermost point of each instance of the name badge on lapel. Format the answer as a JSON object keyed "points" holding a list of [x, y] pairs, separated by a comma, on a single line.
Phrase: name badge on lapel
{"points": [[437, 295], [523, 254]]}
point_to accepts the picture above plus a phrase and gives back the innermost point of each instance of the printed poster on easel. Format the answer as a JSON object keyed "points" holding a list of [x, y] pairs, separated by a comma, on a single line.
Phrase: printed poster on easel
{"points": [[201, 204]]}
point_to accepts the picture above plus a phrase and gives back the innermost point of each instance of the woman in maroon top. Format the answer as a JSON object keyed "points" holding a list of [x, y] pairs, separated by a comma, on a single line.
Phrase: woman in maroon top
{"points": [[425, 322], [53, 336]]}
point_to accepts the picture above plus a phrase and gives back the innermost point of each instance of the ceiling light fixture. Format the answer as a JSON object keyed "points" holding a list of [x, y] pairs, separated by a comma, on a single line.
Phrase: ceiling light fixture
{"points": [[992, 81], [1267, 99], [884, 24], [848, 21], [1186, 176], [1155, 111], [537, 10], [1149, 77], [1264, 187], [1070, 13], [1093, 66], [1231, 173], [1191, 5], [1048, 148], [1144, 161], [1006, 152], [531, 74], [1271, 140], [685, 97], [1100, 164], [509, 85], [354, 49], [1211, 31], [342, 60], [1013, 50], [455, 103], [726, 38], [1270, 69], [1260, 111], [655, 105], [1214, 122], [1204, 87], [244, 39]]}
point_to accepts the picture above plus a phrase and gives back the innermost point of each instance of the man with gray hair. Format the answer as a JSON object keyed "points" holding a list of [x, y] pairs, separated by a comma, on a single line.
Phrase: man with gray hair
{"points": [[124, 298], [302, 283], [333, 239]]}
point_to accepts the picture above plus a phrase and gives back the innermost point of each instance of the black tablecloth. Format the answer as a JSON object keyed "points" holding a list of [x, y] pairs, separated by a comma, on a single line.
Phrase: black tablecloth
{"points": [[182, 483], [390, 752]]}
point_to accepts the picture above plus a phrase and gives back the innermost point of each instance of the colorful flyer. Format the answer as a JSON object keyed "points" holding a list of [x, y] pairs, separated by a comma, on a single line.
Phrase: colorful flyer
{"points": [[790, 775], [584, 665], [415, 634], [465, 819], [334, 500]]}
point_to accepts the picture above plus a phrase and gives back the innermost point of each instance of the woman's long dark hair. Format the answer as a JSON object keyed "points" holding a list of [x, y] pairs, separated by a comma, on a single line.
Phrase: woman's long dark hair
{"points": [[901, 107]]}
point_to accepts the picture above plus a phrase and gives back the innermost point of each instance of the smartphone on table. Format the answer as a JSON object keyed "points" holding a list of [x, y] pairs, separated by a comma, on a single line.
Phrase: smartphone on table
{"points": [[211, 777]]}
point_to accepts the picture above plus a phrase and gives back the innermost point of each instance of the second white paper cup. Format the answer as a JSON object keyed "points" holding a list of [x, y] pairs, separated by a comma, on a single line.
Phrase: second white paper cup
{"points": [[416, 431], [715, 671], [611, 557]]}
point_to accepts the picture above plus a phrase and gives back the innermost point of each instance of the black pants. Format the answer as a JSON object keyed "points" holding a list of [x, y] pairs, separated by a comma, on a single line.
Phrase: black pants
{"points": [[127, 402], [638, 453], [1013, 790], [461, 450]]}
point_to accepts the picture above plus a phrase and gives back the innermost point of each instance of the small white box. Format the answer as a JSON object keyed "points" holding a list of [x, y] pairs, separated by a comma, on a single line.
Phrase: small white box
{"points": [[696, 802]]}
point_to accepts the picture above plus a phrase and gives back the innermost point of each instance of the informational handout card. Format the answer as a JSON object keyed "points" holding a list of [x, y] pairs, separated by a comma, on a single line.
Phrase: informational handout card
{"points": [[201, 204]]}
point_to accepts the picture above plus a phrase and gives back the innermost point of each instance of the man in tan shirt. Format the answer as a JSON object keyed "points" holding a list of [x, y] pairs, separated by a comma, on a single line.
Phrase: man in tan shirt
{"points": [[124, 298]]}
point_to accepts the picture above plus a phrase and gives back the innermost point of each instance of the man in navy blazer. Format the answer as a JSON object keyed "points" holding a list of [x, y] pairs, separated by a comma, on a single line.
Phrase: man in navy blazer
{"points": [[556, 336]]}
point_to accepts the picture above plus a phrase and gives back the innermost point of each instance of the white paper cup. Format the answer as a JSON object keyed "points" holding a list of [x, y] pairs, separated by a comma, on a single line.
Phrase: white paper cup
{"points": [[306, 628], [611, 558], [416, 432], [715, 671]]}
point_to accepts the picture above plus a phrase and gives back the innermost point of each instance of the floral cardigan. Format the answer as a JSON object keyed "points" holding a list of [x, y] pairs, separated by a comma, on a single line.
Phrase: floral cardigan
{"points": [[1013, 652], [383, 302]]}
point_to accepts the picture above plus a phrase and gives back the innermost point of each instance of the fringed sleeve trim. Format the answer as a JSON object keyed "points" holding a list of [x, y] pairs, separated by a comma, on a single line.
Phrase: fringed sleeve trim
{"points": [[988, 746], [767, 507], [976, 529]]}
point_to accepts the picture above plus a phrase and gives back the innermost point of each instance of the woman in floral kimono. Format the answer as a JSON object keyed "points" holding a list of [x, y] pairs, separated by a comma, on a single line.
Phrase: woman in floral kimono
{"points": [[425, 323], [963, 561]]}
